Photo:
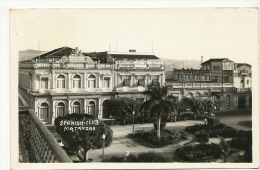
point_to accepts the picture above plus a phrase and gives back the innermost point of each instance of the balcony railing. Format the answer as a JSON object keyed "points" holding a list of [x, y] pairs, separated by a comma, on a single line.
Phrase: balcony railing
{"points": [[199, 85], [39, 142], [68, 65], [124, 65]]}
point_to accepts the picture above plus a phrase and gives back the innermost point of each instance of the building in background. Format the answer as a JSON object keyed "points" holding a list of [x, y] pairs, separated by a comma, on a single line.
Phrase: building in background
{"points": [[66, 80], [226, 82]]}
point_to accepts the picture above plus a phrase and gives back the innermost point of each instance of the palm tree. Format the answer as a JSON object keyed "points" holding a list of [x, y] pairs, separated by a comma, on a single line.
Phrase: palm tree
{"points": [[159, 103]]}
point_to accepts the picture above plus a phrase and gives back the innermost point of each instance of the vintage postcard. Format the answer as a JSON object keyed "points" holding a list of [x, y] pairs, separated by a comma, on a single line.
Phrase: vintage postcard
{"points": [[134, 88]]}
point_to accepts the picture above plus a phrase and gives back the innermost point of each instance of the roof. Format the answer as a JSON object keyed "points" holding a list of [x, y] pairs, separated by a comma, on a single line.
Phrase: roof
{"points": [[60, 52], [215, 60], [242, 64], [133, 56]]}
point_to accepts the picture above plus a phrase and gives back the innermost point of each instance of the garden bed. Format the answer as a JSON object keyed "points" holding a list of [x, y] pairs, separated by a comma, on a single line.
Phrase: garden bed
{"points": [[200, 153], [219, 130], [151, 139], [142, 157]]}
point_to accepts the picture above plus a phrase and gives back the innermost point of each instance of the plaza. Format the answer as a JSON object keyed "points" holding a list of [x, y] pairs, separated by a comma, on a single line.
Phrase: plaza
{"points": [[122, 143]]}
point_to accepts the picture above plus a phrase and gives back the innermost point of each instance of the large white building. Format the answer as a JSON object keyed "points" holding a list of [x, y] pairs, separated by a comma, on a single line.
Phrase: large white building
{"points": [[65, 80]]}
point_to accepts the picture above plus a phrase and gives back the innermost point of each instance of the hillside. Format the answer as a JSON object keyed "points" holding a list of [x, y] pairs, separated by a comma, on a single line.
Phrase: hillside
{"points": [[172, 63], [169, 63], [28, 54]]}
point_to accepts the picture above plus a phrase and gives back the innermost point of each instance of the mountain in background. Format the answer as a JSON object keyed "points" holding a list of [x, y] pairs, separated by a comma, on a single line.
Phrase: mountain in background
{"points": [[29, 54], [169, 63]]}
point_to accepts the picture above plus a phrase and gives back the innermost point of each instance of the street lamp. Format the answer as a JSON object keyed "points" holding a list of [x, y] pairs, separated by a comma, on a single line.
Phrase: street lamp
{"points": [[133, 122], [103, 144]]}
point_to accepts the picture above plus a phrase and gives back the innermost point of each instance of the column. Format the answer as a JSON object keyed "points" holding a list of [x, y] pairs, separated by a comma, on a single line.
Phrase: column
{"points": [[84, 106], [69, 107], [53, 81], [100, 113], [160, 80], [84, 81], [54, 114], [100, 81], [132, 80], [146, 79], [69, 81], [34, 82]]}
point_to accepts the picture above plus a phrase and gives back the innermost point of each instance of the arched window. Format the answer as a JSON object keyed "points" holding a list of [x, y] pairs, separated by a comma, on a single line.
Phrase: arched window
{"points": [[76, 81], [92, 81], [76, 107], [44, 111], [61, 82], [61, 109], [91, 108]]}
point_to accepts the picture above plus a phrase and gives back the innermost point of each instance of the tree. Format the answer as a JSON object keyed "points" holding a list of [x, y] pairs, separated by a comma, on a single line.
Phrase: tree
{"points": [[86, 139], [179, 106], [195, 105], [158, 104], [123, 107], [209, 106]]}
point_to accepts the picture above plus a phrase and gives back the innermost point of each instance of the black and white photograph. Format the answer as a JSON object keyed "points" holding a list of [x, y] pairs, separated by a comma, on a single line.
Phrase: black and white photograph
{"points": [[175, 87]]}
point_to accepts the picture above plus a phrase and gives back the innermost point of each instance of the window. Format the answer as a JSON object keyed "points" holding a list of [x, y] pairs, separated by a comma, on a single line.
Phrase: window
{"points": [[106, 82], [44, 83], [188, 76], [216, 67], [76, 80], [61, 82], [141, 81], [92, 81], [178, 76], [61, 109], [126, 81], [44, 111], [226, 79], [155, 81], [247, 81], [76, 107], [91, 108], [206, 77]]}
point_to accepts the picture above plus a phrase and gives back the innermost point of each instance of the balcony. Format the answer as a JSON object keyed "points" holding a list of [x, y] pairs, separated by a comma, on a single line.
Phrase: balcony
{"points": [[199, 85], [244, 90], [36, 143], [66, 66], [130, 89]]}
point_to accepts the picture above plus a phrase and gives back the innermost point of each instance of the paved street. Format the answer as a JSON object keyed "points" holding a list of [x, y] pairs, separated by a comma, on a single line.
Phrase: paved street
{"points": [[122, 143]]}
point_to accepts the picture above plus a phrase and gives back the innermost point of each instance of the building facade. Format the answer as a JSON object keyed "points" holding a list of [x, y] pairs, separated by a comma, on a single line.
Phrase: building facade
{"points": [[226, 82], [65, 81]]}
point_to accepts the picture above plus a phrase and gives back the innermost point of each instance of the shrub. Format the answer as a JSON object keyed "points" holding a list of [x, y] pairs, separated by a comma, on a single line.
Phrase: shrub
{"points": [[151, 157], [167, 137], [242, 140], [202, 136], [200, 153], [142, 157], [219, 130]]}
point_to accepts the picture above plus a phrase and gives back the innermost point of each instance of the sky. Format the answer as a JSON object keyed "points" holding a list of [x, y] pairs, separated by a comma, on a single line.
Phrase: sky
{"points": [[177, 33]]}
